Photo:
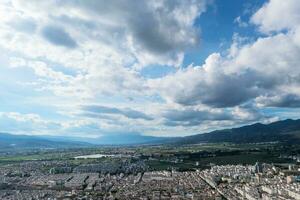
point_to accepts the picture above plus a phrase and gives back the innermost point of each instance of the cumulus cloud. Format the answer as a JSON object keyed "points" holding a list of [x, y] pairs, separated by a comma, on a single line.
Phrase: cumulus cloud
{"points": [[156, 28], [114, 38], [152, 31], [108, 42], [265, 68], [262, 73], [277, 15], [207, 84]]}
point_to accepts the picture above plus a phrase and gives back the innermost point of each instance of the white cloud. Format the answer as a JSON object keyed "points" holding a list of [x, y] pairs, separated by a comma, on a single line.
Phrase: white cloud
{"points": [[277, 15], [104, 53], [150, 32], [238, 20], [91, 53], [266, 67], [31, 123]]}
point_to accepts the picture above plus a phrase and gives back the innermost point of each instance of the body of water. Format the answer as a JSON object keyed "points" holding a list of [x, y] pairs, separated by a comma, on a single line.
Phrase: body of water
{"points": [[96, 156]]}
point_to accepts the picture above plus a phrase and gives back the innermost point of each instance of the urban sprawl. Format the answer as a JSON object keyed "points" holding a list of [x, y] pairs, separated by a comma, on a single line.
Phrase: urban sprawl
{"points": [[40, 180]]}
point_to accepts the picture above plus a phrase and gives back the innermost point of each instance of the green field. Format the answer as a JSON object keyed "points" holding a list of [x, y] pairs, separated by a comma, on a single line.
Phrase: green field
{"points": [[161, 157]]}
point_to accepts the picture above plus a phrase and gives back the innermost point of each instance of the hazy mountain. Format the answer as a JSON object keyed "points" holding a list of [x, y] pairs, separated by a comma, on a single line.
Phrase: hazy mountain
{"points": [[25, 141], [130, 138], [286, 130], [114, 139]]}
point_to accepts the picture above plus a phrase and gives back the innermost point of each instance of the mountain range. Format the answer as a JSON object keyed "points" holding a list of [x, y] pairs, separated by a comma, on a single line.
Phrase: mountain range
{"points": [[11, 141], [281, 131]]}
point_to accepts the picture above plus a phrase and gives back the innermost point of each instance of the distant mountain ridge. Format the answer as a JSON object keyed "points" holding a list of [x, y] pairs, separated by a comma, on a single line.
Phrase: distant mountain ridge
{"points": [[113, 139], [10, 141], [283, 131], [131, 139]]}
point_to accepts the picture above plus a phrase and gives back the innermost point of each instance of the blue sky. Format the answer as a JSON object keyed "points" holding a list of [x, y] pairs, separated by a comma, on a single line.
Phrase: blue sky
{"points": [[163, 68]]}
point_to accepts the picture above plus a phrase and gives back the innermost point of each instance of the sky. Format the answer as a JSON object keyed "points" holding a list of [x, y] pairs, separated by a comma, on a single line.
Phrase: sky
{"points": [[89, 68]]}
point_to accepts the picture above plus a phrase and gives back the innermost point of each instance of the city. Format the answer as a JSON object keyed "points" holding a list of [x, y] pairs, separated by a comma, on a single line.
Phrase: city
{"points": [[130, 175], [149, 100]]}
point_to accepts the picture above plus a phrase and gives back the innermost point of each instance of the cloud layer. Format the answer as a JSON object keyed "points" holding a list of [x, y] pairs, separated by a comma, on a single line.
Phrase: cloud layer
{"points": [[83, 63]]}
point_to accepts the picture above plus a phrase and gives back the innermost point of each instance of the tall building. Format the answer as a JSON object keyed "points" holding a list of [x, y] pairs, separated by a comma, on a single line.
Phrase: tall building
{"points": [[258, 168]]}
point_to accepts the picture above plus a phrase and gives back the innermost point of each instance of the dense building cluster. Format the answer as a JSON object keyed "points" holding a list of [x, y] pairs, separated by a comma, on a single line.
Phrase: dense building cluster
{"points": [[261, 181], [30, 180]]}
